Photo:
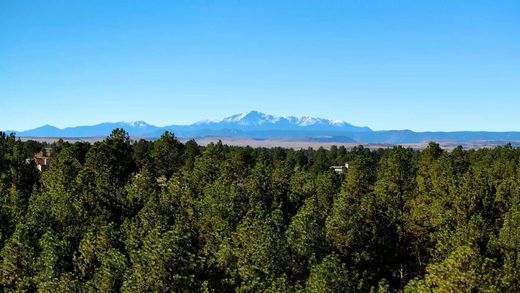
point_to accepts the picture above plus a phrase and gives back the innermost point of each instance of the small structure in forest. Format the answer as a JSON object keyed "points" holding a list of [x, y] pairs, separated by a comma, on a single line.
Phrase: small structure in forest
{"points": [[339, 169], [42, 163]]}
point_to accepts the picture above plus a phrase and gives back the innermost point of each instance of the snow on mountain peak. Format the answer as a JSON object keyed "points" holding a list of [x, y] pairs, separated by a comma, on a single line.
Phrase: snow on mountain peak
{"points": [[337, 122], [243, 123], [140, 124], [307, 121], [255, 118], [251, 117]]}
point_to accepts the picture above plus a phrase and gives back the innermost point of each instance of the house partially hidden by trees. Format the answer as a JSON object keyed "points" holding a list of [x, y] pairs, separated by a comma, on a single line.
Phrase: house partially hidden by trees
{"points": [[339, 169], [42, 163]]}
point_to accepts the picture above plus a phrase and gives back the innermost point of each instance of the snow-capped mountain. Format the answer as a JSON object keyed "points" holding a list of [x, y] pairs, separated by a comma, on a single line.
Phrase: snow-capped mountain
{"points": [[260, 121], [252, 118], [249, 124], [257, 125]]}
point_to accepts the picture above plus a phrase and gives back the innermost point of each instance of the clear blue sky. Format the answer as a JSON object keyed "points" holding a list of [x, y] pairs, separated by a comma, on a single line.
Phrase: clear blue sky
{"points": [[420, 65]]}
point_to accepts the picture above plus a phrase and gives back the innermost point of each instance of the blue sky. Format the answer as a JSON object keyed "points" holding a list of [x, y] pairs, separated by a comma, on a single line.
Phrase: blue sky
{"points": [[420, 65]]}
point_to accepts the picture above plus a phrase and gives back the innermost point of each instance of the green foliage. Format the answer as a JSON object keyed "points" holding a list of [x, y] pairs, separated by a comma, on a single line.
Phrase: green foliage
{"points": [[331, 276], [462, 271], [259, 250], [166, 262], [167, 216], [509, 243], [17, 256], [306, 231], [167, 155]]}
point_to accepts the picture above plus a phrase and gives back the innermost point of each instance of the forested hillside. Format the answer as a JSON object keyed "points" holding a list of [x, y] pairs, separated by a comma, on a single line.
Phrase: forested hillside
{"points": [[169, 216]]}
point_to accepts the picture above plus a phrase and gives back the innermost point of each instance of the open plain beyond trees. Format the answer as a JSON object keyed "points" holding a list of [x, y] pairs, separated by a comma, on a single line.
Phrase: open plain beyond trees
{"points": [[166, 215]]}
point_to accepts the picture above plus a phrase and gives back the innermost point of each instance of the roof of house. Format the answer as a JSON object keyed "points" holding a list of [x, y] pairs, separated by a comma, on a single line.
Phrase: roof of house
{"points": [[44, 161]]}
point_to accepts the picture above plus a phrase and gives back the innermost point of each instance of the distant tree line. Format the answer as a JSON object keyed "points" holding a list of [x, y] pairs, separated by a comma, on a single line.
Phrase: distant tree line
{"points": [[161, 216]]}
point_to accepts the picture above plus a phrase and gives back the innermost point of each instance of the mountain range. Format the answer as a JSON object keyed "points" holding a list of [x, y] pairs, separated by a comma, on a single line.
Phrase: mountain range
{"points": [[259, 126]]}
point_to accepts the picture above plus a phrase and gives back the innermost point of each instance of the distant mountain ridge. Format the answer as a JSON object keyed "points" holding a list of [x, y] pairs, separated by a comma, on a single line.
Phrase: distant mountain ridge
{"points": [[250, 121], [138, 129], [261, 126], [261, 121]]}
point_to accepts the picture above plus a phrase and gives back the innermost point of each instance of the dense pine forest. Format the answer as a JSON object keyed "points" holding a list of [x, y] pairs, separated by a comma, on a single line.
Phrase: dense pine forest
{"points": [[157, 216]]}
